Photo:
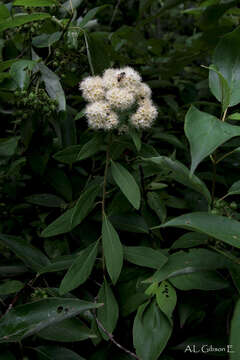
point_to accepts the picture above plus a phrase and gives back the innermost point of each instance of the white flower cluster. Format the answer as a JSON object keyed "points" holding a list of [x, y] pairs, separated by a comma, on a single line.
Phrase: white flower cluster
{"points": [[117, 91]]}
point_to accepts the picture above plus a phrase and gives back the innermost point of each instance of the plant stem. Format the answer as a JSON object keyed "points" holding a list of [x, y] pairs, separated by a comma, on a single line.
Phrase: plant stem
{"points": [[105, 178], [224, 115], [213, 178]]}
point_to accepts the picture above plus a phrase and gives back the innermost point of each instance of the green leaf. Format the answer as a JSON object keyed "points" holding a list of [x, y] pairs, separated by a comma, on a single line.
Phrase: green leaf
{"points": [[48, 200], [144, 256], [99, 53], [10, 287], [108, 313], [84, 205], [68, 330], [60, 182], [181, 174], [234, 189], [226, 58], [205, 134], [234, 332], [34, 3], [189, 240], [189, 262], [130, 222], [19, 20], [60, 263], [166, 298], [73, 217], [151, 325], [126, 183], [28, 319], [136, 137], [218, 83], [79, 152], [80, 270], [46, 40], [53, 86], [157, 205], [235, 116], [52, 352], [4, 12], [112, 249], [200, 280], [90, 15], [30, 255], [8, 147], [218, 227]]}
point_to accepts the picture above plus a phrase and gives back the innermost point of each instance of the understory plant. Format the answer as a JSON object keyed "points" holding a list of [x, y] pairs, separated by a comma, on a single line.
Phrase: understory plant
{"points": [[120, 186]]}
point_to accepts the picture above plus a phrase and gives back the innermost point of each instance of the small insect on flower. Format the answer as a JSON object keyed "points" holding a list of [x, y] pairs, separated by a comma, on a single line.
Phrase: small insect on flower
{"points": [[121, 76]]}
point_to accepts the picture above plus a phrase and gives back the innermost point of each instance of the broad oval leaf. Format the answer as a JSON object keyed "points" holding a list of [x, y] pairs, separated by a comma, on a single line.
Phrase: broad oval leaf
{"points": [[218, 227], [80, 270], [205, 134], [108, 313], [227, 60], [151, 331], [28, 319], [126, 183], [112, 249], [10, 287], [21, 72], [144, 256]]}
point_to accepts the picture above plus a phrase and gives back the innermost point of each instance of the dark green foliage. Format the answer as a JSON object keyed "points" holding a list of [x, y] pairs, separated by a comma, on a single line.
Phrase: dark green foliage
{"points": [[127, 241]]}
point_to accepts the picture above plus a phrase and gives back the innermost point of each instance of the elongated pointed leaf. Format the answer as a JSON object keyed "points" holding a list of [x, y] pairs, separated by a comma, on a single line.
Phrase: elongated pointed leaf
{"points": [[73, 217], [205, 134], [19, 20], [21, 72], [181, 174], [108, 313], [112, 249], [28, 319], [34, 3], [80, 269], [30, 255], [166, 298], [144, 256], [68, 330], [218, 84], [127, 184], [53, 352], [194, 260], [235, 188], [226, 58], [53, 86], [153, 326], [218, 227]]}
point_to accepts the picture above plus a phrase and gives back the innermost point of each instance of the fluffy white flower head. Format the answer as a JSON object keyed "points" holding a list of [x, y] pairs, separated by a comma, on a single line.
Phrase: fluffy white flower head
{"points": [[143, 92], [116, 91], [128, 77], [145, 115], [110, 78], [120, 98], [92, 88], [100, 116]]}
